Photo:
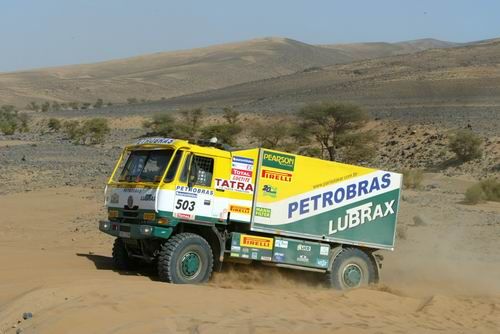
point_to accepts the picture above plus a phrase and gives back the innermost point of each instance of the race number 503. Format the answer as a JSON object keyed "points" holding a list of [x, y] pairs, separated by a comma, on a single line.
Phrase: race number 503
{"points": [[185, 205]]}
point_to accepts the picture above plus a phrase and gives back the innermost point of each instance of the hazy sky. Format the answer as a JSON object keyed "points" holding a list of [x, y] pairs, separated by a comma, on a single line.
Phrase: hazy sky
{"points": [[39, 33]]}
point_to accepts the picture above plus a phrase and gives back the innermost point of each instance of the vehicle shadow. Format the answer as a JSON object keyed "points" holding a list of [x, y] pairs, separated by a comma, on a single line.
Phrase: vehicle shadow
{"points": [[106, 263]]}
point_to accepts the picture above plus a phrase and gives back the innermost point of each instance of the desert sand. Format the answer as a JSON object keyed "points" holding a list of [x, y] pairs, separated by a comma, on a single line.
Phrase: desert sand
{"points": [[443, 277]]}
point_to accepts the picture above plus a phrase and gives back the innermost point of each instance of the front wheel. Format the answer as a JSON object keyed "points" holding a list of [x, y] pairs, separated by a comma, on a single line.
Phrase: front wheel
{"points": [[186, 258], [351, 268]]}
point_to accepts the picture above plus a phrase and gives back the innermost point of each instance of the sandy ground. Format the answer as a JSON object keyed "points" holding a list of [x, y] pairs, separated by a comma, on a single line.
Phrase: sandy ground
{"points": [[55, 264]]}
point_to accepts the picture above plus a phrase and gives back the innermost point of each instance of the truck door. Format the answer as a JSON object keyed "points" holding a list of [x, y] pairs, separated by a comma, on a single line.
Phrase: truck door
{"points": [[194, 194]]}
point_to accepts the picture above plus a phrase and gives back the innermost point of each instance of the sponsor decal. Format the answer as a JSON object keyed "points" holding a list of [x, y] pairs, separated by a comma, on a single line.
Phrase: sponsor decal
{"points": [[281, 243], [270, 191], [278, 176], [155, 140], [322, 263], [241, 172], [243, 187], [115, 198], [183, 215], [332, 197], [132, 190], [235, 255], [149, 216], [253, 241], [242, 163], [185, 194], [263, 212], [279, 257], [302, 258], [235, 248], [255, 256], [245, 256], [194, 190], [304, 248], [244, 210], [241, 178], [324, 250], [360, 215], [148, 197], [278, 160], [265, 258]]}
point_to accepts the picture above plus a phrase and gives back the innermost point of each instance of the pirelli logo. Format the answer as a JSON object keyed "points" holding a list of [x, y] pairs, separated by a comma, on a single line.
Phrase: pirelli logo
{"points": [[245, 210], [253, 241], [279, 176]]}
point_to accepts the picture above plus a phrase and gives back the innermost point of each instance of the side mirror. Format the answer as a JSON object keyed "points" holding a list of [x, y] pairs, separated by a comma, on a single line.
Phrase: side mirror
{"points": [[193, 175]]}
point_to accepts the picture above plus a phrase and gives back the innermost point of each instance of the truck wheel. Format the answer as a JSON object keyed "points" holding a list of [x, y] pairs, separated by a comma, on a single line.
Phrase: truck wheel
{"points": [[186, 258], [351, 268], [121, 260]]}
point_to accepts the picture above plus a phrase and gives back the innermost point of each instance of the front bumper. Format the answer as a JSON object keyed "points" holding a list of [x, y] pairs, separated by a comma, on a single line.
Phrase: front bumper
{"points": [[134, 231]]}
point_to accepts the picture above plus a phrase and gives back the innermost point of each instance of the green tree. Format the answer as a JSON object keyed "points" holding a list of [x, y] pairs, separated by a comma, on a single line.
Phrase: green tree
{"points": [[327, 121], [270, 134], [230, 115], [94, 131], [163, 125], [8, 120], [191, 121], [466, 145], [225, 133]]}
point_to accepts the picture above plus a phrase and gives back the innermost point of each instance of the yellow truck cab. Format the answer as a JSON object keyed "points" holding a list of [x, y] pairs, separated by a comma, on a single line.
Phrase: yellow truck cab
{"points": [[188, 208]]}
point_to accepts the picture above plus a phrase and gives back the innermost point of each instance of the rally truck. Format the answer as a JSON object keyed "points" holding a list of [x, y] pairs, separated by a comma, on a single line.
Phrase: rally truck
{"points": [[190, 207]]}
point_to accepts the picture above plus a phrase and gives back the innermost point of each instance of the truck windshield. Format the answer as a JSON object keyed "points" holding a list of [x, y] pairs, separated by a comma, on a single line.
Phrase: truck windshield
{"points": [[145, 166]]}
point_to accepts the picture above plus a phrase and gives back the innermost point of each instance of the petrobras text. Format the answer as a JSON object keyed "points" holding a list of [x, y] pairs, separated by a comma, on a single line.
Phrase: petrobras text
{"points": [[338, 196]]}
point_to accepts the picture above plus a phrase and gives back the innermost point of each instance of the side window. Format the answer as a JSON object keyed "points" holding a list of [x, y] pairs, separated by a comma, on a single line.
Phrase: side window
{"points": [[185, 169], [204, 169], [173, 168]]}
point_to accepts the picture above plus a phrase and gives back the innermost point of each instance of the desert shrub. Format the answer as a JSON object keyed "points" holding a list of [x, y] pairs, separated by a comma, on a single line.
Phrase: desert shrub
{"points": [[45, 106], [99, 103], [56, 106], [85, 105], [225, 133], [74, 105], [33, 106], [54, 124], [412, 178], [132, 100], [72, 129], [94, 131], [163, 125], [11, 120], [8, 122], [23, 120], [109, 104], [486, 190], [357, 147], [466, 145]]}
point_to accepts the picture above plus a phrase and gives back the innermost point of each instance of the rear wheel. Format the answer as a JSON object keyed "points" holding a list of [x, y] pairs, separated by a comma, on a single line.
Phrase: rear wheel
{"points": [[351, 268], [186, 258]]}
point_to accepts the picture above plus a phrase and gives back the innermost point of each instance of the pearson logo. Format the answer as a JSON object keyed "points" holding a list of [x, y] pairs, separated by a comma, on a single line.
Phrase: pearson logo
{"points": [[278, 160]]}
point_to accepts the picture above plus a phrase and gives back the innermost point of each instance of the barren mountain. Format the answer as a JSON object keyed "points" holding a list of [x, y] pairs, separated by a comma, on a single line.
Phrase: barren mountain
{"points": [[450, 83], [170, 74]]}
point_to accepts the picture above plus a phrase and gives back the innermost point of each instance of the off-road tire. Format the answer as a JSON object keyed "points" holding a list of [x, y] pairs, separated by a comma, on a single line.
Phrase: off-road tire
{"points": [[172, 259], [357, 262], [121, 260]]}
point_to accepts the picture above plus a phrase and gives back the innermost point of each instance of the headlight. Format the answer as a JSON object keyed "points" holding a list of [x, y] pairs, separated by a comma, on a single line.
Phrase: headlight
{"points": [[113, 213], [104, 225], [146, 230]]}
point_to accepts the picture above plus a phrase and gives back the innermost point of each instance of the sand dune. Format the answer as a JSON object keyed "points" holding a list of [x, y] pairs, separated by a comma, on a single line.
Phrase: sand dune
{"points": [[56, 265]]}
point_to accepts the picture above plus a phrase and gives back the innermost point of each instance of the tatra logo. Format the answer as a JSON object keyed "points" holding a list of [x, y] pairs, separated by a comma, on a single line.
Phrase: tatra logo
{"points": [[130, 201], [279, 176], [256, 242]]}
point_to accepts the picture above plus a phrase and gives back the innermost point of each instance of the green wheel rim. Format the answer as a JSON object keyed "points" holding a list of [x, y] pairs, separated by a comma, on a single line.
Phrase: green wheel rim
{"points": [[190, 265], [352, 275]]}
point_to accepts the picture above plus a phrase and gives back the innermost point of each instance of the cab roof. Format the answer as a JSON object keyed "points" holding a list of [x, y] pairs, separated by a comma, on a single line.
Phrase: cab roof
{"points": [[160, 142]]}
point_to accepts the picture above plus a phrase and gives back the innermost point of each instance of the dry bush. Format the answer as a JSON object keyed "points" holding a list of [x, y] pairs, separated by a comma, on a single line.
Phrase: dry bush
{"points": [[412, 178], [466, 145], [487, 190]]}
